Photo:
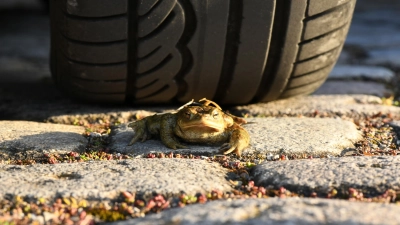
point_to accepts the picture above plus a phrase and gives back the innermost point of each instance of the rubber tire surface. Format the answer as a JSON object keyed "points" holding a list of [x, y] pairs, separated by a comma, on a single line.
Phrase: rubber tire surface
{"points": [[158, 51]]}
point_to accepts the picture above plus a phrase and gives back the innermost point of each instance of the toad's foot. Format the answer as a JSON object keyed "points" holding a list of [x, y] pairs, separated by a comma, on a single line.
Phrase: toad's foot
{"points": [[173, 144], [239, 140], [170, 141], [140, 130]]}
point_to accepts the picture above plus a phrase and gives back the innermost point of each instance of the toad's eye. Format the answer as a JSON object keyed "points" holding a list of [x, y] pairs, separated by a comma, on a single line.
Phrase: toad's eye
{"points": [[215, 114], [187, 114]]}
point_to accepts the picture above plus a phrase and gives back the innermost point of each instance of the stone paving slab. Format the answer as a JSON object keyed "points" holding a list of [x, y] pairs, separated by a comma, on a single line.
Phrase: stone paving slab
{"points": [[383, 43], [389, 56], [328, 105], [297, 136], [371, 174], [275, 211], [383, 35], [104, 180], [350, 87], [94, 115], [31, 139], [345, 72]]}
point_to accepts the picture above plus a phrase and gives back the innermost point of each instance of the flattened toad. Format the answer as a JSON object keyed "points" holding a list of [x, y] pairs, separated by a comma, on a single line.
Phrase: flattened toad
{"points": [[202, 122]]}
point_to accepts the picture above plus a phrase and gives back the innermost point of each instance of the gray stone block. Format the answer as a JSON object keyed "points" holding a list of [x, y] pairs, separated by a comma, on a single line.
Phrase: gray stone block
{"points": [[371, 174], [104, 180], [384, 35], [324, 105], [32, 139], [341, 87], [388, 56], [344, 72], [275, 211]]}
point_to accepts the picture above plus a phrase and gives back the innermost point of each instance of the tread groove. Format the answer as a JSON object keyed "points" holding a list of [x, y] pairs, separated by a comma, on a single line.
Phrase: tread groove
{"points": [[149, 84], [97, 93], [168, 31], [161, 90], [132, 50], [314, 71], [317, 55], [306, 79], [151, 9], [325, 34], [316, 63], [166, 22], [308, 18], [94, 18], [302, 90], [93, 64], [157, 67], [305, 85], [323, 44], [98, 81], [187, 56], [281, 20], [231, 48], [293, 77], [149, 54], [92, 43]]}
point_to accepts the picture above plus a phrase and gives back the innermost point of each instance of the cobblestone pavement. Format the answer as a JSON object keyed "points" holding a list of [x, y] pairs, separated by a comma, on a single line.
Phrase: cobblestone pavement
{"points": [[339, 145]]}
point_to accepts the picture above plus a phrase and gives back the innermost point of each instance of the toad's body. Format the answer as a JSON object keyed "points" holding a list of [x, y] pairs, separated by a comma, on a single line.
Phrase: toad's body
{"points": [[201, 123]]}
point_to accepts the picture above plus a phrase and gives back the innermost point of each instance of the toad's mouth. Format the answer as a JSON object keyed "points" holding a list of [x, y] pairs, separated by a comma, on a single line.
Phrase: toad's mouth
{"points": [[204, 125]]}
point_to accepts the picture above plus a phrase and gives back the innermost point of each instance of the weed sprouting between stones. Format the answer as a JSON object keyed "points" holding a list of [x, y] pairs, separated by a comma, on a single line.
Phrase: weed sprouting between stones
{"points": [[379, 137]]}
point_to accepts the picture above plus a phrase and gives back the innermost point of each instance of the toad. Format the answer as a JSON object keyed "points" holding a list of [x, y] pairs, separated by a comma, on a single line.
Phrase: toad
{"points": [[202, 122]]}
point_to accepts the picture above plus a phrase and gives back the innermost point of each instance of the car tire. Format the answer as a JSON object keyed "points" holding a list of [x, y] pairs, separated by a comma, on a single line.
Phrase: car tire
{"points": [[162, 51]]}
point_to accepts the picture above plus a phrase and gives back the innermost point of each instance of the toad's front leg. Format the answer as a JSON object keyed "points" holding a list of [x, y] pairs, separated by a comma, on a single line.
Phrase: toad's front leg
{"points": [[171, 142], [167, 135], [238, 141], [140, 130]]}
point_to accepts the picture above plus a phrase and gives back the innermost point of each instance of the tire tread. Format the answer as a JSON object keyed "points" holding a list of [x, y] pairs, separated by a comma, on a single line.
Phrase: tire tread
{"points": [[320, 46], [177, 51]]}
